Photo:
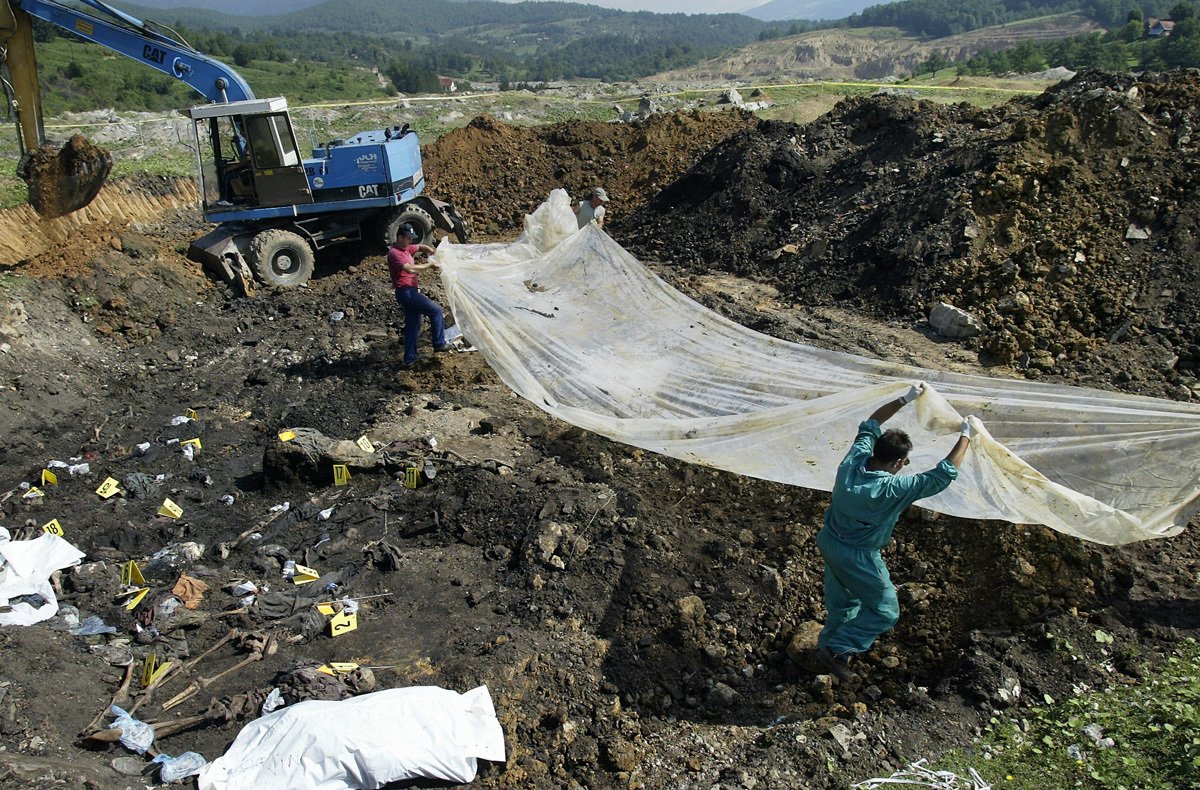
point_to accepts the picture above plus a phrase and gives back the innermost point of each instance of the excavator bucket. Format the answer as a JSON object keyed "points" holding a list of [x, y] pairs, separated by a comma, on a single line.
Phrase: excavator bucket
{"points": [[64, 180]]}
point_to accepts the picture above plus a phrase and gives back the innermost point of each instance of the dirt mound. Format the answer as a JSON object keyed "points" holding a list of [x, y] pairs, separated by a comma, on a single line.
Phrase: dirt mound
{"points": [[1066, 222], [496, 173]]}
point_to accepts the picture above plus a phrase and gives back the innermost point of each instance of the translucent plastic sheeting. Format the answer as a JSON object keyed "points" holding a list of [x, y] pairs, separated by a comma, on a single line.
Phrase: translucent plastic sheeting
{"points": [[572, 322]]}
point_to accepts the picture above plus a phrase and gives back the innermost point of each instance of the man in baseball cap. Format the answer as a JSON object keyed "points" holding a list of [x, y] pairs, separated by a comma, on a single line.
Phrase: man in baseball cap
{"points": [[592, 209]]}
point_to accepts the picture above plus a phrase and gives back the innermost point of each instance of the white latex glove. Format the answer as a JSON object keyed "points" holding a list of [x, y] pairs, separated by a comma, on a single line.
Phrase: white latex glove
{"points": [[913, 393], [966, 428]]}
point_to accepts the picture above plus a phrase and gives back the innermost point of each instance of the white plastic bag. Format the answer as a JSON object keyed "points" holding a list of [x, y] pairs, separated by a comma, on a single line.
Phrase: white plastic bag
{"points": [[176, 769], [26, 571], [137, 736], [363, 742]]}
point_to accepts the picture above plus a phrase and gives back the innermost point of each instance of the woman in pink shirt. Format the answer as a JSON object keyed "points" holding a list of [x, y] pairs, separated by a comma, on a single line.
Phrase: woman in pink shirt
{"points": [[416, 305]]}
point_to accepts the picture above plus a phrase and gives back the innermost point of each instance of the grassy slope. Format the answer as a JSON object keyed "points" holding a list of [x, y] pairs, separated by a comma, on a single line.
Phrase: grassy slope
{"points": [[101, 68]]}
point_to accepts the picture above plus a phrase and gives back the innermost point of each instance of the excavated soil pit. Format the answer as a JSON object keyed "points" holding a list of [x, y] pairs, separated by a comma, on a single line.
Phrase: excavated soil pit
{"points": [[630, 614]]}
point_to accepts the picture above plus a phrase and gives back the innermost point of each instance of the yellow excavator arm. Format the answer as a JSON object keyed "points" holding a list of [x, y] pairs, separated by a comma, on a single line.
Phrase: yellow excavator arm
{"points": [[21, 77], [60, 181]]}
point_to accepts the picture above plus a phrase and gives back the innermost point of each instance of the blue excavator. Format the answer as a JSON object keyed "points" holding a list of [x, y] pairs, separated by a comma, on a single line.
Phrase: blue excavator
{"points": [[274, 208]]}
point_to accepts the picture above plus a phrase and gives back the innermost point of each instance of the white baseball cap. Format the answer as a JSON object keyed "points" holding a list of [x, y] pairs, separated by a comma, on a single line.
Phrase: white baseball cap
{"points": [[599, 192]]}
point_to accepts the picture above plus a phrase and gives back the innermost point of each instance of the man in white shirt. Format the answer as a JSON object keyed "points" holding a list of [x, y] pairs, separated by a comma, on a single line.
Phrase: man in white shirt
{"points": [[592, 209]]}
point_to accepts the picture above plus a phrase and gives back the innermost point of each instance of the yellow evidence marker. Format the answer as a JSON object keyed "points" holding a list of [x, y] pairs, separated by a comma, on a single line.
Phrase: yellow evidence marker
{"points": [[138, 595], [287, 436], [341, 475], [343, 622], [131, 574], [152, 670], [49, 478], [304, 575], [53, 527], [170, 509], [109, 487]]}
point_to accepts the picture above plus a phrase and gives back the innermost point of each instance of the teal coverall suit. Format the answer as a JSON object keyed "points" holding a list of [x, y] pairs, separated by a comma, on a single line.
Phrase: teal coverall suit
{"points": [[859, 596]]}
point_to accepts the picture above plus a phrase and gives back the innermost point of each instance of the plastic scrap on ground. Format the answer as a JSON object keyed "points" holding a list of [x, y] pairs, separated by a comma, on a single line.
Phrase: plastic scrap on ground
{"points": [[918, 775], [363, 742], [137, 736], [26, 595], [655, 369], [176, 769]]}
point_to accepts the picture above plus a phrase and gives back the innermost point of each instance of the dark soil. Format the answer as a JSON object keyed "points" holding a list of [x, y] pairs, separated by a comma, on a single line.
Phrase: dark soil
{"points": [[631, 614], [1020, 214]]}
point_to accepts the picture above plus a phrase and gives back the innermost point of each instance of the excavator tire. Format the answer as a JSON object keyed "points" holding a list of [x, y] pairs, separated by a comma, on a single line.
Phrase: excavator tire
{"points": [[416, 216], [65, 180], [281, 258]]}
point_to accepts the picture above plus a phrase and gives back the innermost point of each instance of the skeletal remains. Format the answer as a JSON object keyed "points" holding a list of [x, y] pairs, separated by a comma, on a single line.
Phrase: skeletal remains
{"points": [[261, 645]]}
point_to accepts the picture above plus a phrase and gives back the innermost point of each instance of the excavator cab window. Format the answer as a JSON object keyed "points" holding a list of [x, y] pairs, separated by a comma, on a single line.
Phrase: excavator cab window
{"points": [[271, 141], [249, 159]]}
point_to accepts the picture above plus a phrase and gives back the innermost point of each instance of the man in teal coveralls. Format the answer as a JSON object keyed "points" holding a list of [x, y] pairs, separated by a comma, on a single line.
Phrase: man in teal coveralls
{"points": [[869, 495]]}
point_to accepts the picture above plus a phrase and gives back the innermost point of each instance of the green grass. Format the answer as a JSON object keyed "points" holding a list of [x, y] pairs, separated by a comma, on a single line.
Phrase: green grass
{"points": [[78, 76], [166, 163], [1154, 726]]}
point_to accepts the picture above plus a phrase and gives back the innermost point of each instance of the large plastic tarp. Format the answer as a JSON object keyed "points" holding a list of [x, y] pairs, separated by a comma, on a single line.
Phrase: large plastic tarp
{"points": [[574, 323]]}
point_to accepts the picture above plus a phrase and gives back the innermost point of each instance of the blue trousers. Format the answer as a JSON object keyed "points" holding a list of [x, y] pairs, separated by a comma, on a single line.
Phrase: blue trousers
{"points": [[860, 600], [416, 305]]}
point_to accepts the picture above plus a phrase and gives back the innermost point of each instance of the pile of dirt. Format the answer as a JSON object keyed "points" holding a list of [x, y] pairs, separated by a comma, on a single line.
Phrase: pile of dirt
{"points": [[496, 173], [1067, 222], [640, 622]]}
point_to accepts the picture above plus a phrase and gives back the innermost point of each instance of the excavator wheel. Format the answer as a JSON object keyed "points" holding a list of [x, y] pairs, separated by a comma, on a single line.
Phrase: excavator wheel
{"points": [[416, 216], [66, 180], [281, 258]]}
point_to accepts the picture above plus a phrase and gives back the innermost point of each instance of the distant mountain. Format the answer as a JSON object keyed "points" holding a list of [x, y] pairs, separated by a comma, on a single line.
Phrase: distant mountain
{"points": [[778, 10], [234, 7]]}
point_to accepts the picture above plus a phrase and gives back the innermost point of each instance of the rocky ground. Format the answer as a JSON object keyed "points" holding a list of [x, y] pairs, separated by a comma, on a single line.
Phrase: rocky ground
{"points": [[639, 622]]}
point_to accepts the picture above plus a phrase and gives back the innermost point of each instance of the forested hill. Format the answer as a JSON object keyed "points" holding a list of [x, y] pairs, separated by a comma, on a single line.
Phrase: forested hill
{"points": [[938, 18], [543, 21], [533, 41]]}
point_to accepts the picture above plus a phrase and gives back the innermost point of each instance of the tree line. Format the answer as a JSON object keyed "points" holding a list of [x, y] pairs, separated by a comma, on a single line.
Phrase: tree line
{"points": [[1123, 48]]}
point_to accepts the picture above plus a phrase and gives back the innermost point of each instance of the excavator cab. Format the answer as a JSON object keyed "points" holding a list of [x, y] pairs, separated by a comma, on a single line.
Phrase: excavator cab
{"points": [[248, 156], [60, 180]]}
